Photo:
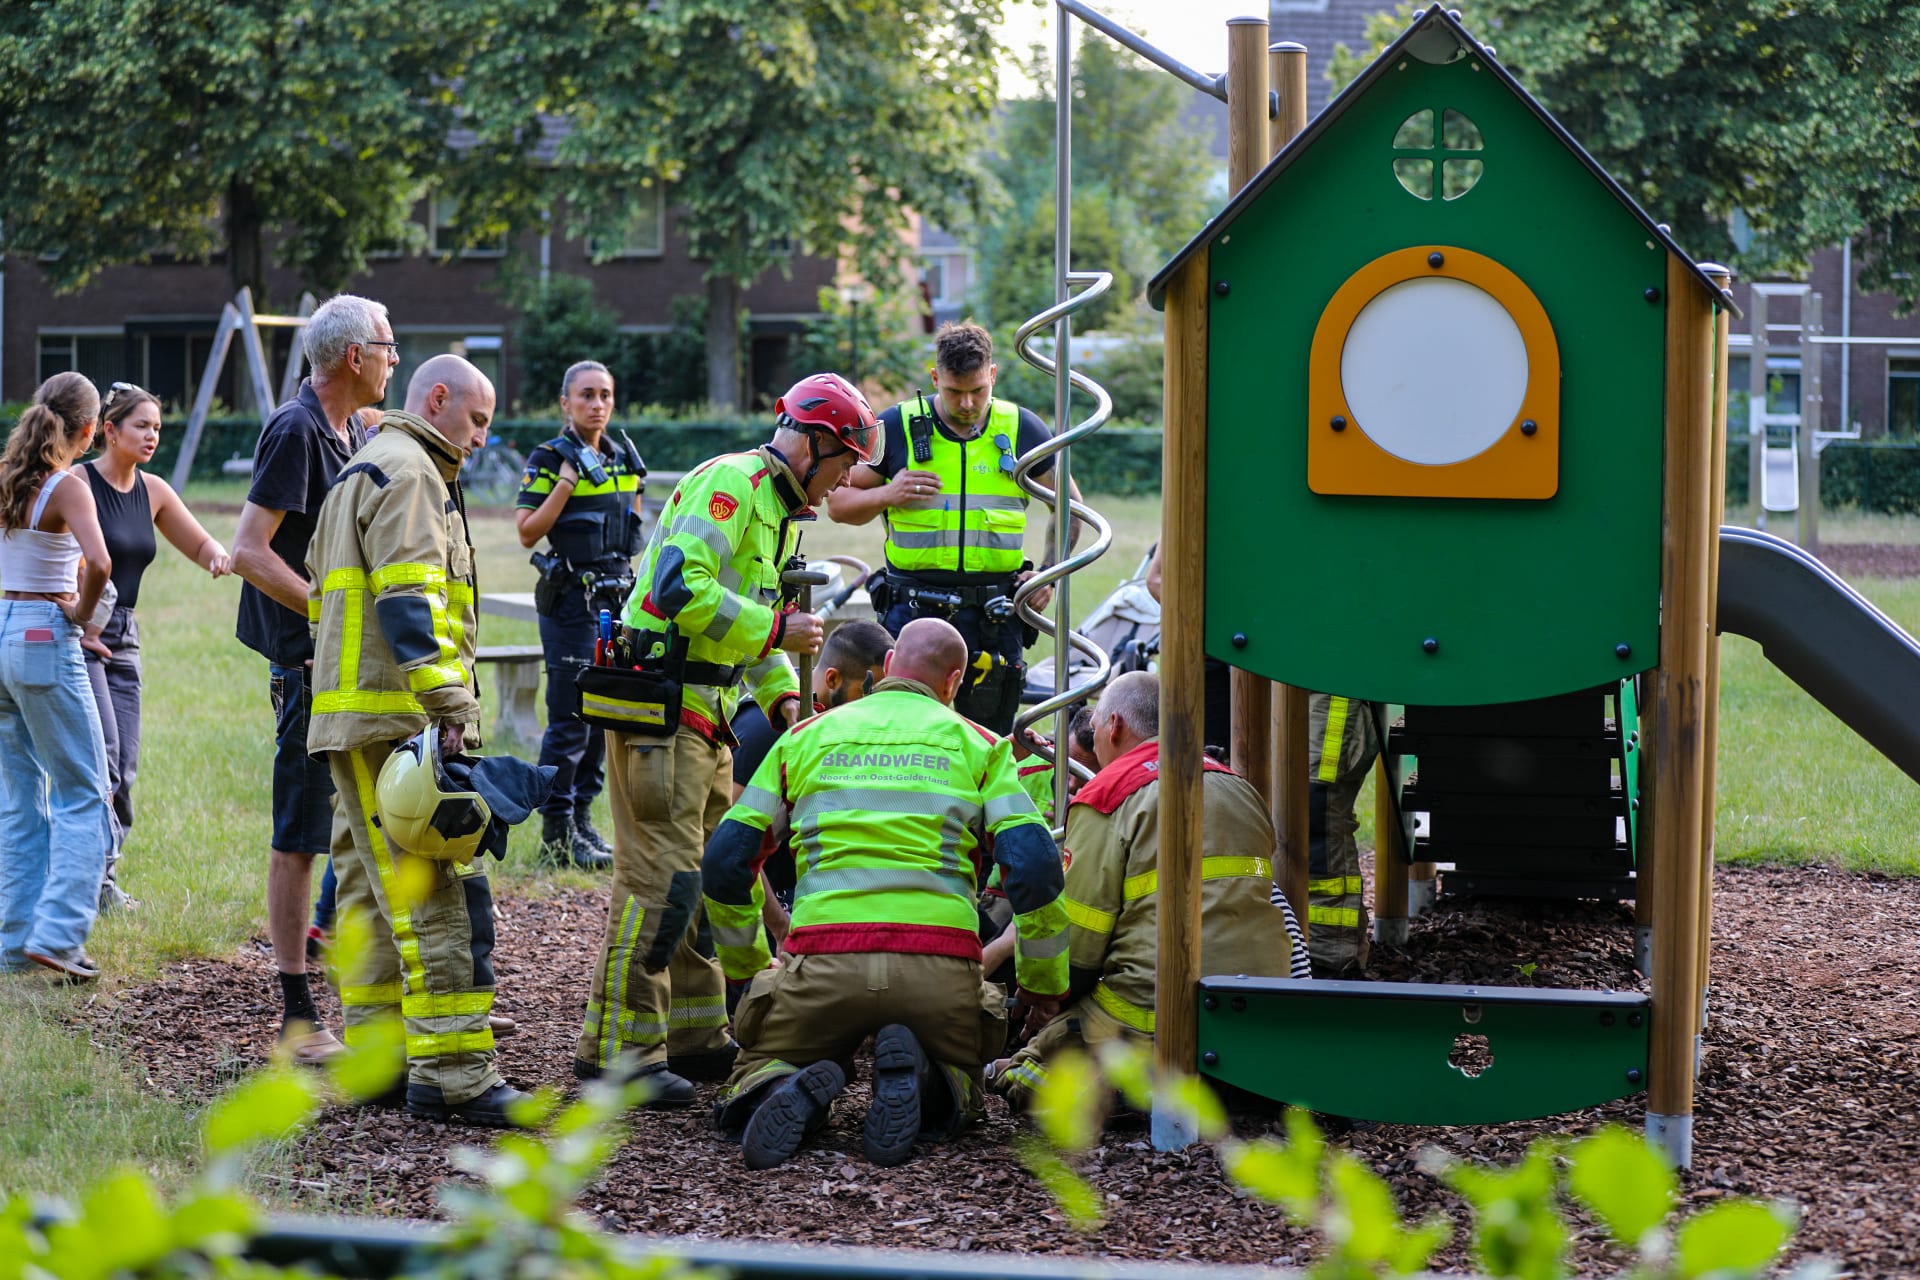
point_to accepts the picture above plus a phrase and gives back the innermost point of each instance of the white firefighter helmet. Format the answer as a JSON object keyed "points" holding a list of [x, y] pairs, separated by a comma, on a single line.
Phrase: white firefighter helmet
{"points": [[422, 810]]}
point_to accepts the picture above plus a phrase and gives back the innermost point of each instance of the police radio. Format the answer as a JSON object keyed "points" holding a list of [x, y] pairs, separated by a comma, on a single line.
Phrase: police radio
{"points": [[920, 431], [585, 459]]}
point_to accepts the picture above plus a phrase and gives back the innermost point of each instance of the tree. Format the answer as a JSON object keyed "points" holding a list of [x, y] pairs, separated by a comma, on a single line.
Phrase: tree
{"points": [[1803, 117], [136, 128], [1140, 184], [802, 127]]}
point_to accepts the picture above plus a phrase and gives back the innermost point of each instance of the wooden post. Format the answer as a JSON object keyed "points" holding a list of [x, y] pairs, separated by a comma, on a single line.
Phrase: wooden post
{"points": [[1183, 693], [1812, 414], [1679, 710], [1287, 68], [1390, 869], [1757, 408], [1709, 741], [1249, 744]]}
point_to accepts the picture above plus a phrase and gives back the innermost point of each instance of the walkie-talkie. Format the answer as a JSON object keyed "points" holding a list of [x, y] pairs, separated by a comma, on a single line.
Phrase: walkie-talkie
{"points": [[920, 430]]}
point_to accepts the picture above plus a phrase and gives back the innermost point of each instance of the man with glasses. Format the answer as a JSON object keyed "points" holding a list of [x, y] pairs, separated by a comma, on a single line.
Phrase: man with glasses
{"points": [[350, 347], [956, 521]]}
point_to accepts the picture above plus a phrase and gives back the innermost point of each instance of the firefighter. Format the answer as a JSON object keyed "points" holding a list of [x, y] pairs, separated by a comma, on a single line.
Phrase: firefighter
{"points": [[897, 804], [706, 613], [1342, 742], [956, 520], [582, 492], [1112, 895], [392, 601]]}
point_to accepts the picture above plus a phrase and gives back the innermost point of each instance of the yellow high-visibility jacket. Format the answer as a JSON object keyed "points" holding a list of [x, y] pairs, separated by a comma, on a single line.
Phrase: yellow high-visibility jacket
{"points": [[392, 597]]}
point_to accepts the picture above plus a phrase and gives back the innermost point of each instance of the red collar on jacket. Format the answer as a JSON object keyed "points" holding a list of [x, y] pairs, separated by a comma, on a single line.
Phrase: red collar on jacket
{"points": [[1128, 774]]}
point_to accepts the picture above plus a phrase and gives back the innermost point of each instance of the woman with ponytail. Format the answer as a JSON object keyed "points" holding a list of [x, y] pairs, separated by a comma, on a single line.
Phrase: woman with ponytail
{"points": [[55, 821], [131, 505]]}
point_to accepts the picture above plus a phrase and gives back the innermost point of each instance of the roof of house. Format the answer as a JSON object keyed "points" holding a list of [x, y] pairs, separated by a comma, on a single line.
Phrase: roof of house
{"points": [[1434, 36]]}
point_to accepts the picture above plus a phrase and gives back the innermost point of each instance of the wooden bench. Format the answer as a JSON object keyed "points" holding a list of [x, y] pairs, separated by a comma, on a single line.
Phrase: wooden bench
{"points": [[516, 690]]}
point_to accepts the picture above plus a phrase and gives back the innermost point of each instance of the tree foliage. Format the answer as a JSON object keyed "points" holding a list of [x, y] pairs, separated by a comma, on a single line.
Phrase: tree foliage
{"points": [[805, 127], [1805, 118], [137, 128]]}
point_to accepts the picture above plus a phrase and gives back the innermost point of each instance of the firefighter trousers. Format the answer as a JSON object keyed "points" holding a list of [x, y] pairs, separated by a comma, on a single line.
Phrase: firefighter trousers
{"points": [[815, 1007], [1342, 742], [1081, 1025], [657, 990], [435, 969]]}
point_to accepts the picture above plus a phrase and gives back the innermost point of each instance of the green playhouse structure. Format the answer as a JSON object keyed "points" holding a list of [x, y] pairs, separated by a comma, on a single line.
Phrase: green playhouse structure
{"points": [[1432, 363]]}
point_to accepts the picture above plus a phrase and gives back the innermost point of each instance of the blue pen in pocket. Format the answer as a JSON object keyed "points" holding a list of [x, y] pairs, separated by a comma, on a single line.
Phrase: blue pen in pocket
{"points": [[603, 646]]}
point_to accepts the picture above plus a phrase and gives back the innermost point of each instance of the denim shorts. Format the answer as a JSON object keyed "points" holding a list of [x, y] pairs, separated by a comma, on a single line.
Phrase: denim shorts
{"points": [[302, 785]]}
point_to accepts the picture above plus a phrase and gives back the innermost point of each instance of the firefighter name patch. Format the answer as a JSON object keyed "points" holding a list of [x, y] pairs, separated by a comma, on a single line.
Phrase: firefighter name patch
{"points": [[722, 506]]}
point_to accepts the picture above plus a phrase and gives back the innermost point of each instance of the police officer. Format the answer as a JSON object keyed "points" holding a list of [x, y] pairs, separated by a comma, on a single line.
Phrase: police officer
{"points": [[582, 493], [706, 614], [956, 521]]}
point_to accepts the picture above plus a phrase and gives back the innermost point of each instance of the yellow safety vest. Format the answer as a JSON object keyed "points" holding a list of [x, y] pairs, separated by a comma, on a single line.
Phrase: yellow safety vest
{"points": [[978, 523]]}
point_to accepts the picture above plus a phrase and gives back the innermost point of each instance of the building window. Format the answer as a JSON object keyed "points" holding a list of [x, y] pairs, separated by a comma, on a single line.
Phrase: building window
{"points": [[447, 232], [947, 278], [642, 235], [1903, 395], [417, 346], [1783, 390], [100, 354]]}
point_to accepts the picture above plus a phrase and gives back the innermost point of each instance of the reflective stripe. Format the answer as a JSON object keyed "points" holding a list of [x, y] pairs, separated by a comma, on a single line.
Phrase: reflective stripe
{"points": [[449, 1042], [647, 713], [706, 531], [1334, 917], [955, 815], [995, 502], [882, 880], [344, 580], [724, 617], [772, 1069], [1025, 1075], [1133, 888], [1044, 948], [626, 1026], [1092, 919], [359, 1033], [386, 703], [1330, 741], [631, 916], [407, 574], [458, 1004], [740, 936], [1125, 1012], [759, 800], [943, 539], [434, 676], [377, 993], [698, 1011], [1000, 808], [1338, 886]]}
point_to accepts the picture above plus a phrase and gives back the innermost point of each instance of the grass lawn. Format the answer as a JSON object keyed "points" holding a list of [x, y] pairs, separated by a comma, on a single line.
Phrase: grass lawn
{"points": [[1795, 785]]}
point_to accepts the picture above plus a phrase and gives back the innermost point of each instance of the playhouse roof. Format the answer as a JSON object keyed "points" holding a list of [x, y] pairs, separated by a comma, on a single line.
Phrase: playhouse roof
{"points": [[1427, 38]]}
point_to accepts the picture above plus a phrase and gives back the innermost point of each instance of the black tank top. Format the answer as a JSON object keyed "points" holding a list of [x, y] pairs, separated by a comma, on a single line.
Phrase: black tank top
{"points": [[126, 522]]}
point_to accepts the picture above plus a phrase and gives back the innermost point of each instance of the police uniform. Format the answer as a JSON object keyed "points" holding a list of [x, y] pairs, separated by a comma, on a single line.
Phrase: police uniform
{"points": [[898, 806], [1342, 742], [392, 604], [708, 599], [587, 568], [957, 555], [1112, 902]]}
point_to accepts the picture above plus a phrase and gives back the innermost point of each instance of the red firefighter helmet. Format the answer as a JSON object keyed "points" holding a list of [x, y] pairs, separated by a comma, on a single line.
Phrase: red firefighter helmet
{"points": [[827, 402]]}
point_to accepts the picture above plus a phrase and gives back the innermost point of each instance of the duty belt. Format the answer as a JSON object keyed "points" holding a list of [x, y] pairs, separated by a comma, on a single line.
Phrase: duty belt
{"points": [[711, 673], [907, 587]]}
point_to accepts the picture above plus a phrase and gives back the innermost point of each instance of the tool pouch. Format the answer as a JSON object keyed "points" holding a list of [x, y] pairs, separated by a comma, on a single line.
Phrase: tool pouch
{"points": [[626, 700]]}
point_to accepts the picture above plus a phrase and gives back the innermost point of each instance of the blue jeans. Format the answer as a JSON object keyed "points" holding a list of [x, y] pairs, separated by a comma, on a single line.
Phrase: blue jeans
{"points": [[55, 814]]}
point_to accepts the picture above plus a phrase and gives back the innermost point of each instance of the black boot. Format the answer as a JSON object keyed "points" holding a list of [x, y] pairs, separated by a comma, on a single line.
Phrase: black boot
{"points": [[796, 1109], [710, 1065], [490, 1110], [561, 845], [583, 833], [899, 1074]]}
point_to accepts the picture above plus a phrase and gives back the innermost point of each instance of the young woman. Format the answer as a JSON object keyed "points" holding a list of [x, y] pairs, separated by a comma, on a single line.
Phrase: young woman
{"points": [[55, 821], [131, 505]]}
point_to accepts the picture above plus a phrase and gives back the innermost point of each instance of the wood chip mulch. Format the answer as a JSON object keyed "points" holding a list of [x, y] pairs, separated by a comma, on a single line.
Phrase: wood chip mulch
{"points": [[1871, 559], [1807, 1092]]}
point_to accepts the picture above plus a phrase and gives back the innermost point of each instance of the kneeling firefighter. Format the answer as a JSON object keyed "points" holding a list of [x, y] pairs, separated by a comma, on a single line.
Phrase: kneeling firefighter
{"points": [[582, 492]]}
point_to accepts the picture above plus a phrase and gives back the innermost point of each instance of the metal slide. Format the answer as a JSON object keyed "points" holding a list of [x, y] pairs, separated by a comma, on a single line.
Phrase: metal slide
{"points": [[1826, 637]]}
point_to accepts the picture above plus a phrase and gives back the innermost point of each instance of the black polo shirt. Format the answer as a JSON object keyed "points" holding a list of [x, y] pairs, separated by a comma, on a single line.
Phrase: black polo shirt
{"points": [[295, 464]]}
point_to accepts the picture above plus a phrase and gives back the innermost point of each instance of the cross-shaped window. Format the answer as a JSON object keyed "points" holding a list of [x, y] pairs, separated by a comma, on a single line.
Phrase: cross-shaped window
{"points": [[1415, 154]]}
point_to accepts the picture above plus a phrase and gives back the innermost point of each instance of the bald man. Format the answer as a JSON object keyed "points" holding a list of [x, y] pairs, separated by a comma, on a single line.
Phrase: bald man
{"points": [[1113, 843], [897, 805], [393, 603]]}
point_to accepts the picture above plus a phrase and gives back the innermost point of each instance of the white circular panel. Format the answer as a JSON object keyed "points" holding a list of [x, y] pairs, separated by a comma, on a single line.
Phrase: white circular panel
{"points": [[1434, 370]]}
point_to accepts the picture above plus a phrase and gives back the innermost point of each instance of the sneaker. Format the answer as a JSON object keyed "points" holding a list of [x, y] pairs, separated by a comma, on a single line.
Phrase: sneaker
{"points": [[309, 1046], [491, 1110], [796, 1109], [73, 964], [712, 1065], [113, 898], [893, 1118], [501, 1025], [317, 944], [583, 832]]}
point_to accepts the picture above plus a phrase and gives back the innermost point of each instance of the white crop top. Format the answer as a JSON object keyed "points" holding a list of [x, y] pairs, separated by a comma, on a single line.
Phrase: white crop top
{"points": [[34, 561]]}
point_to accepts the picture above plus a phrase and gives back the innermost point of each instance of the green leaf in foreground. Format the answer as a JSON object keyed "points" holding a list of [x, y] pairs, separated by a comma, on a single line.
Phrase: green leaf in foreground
{"points": [[1738, 1237], [1624, 1181], [268, 1107], [1070, 1102], [1069, 1190], [374, 1062]]}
